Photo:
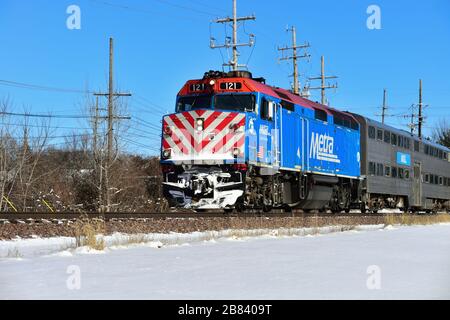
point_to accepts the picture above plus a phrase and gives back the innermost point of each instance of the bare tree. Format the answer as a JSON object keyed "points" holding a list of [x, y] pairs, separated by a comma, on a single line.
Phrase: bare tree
{"points": [[442, 133]]}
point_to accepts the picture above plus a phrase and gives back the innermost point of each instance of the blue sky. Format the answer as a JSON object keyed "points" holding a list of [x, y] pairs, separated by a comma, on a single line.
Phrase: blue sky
{"points": [[159, 44]]}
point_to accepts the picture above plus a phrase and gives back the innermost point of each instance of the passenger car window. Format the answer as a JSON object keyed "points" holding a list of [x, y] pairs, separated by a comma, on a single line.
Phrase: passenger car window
{"points": [[372, 168], [394, 139], [394, 172], [387, 136], [387, 171], [380, 134], [371, 132], [380, 169]]}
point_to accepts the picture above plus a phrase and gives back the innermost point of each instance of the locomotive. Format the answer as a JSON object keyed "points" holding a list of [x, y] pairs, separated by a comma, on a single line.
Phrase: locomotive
{"points": [[235, 142]]}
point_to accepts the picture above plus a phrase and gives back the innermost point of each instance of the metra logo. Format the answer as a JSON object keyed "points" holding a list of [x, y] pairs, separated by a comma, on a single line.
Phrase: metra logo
{"points": [[322, 148]]}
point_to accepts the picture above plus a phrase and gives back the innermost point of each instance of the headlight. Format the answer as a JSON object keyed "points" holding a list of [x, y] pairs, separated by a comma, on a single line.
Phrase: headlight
{"points": [[212, 82], [199, 123], [236, 152], [166, 153]]}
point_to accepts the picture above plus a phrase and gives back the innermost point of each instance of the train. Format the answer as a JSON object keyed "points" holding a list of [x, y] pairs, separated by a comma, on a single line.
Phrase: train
{"points": [[237, 143]]}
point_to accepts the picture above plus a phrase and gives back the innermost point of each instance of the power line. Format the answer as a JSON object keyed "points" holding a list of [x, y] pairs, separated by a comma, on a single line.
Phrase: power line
{"points": [[185, 7], [35, 115], [23, 85], [140, 10], [41, 126]]}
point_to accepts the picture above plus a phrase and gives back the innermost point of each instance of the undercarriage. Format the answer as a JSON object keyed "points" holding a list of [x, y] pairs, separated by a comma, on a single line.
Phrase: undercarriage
{"points": [[249, 187]]}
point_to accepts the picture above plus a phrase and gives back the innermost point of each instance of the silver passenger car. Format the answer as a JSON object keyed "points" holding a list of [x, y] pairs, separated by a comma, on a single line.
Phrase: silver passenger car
{"points": [[399, 170]]}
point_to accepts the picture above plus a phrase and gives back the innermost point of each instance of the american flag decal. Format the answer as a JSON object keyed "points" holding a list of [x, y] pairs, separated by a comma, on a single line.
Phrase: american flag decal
{"points": [[260, 154], [203, 134]]}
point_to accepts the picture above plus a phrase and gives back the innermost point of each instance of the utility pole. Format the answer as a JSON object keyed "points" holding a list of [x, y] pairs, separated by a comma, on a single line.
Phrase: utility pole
{"points": [[234, 41], [110, 95], [323, 77], [97, 160], [25, 139], [420, 108], [294, 57], [384, 108], [95, 129], [412, 126]]}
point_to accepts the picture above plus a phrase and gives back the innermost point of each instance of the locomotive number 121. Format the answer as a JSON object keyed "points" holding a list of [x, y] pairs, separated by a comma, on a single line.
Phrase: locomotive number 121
{"points": [[230, 85], [197, 87]]}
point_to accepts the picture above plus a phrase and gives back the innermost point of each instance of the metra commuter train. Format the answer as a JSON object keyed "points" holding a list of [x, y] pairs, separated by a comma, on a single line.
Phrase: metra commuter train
{"points": [[236, 143]]}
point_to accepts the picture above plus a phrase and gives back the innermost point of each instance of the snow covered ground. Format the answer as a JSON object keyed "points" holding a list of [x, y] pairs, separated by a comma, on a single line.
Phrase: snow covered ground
{"points": [[367, 263]]}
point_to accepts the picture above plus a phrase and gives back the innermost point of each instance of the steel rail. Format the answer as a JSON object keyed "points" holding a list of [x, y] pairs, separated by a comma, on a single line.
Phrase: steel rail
{"points": [[168, 215]]}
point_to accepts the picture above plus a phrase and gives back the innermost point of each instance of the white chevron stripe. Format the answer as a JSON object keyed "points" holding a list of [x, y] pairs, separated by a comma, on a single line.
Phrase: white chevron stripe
{"points": [[219, 135], [173, 146], [180, 135], [230, 143], [200, 136]]}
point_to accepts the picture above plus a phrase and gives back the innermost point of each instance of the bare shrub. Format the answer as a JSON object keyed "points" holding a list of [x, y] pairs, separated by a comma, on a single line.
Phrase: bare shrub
{"points": [[87, 233]]}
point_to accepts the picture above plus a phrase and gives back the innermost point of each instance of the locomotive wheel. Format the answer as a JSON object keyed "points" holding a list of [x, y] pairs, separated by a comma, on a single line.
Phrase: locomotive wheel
{"points": [[363, 208]]}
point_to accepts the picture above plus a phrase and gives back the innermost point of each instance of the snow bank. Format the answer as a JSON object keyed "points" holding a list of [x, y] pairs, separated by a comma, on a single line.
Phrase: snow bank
{"points": [[368, 262], [66, 246]]}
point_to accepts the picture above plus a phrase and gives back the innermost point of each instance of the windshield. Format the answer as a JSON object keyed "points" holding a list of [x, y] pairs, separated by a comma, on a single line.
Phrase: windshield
{"points": [[238, 102], [190, 103]]}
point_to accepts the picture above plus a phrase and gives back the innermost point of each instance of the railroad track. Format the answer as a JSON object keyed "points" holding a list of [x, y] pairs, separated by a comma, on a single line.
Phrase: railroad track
{"points": [[167, 215], [62, 216]]}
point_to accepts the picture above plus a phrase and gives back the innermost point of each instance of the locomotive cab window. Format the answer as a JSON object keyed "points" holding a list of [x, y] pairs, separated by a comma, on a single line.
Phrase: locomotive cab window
{"points": [[193, 102], [266, 109], [235, 102]]}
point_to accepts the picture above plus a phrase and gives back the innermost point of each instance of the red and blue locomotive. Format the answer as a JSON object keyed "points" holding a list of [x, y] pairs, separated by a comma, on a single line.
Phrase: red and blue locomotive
{"points": [[235, 143]]}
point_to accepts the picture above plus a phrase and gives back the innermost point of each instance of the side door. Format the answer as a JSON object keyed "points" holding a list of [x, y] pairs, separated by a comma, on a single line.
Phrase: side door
{"points": [[276, 133], [417, 184], [267, 151]]}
